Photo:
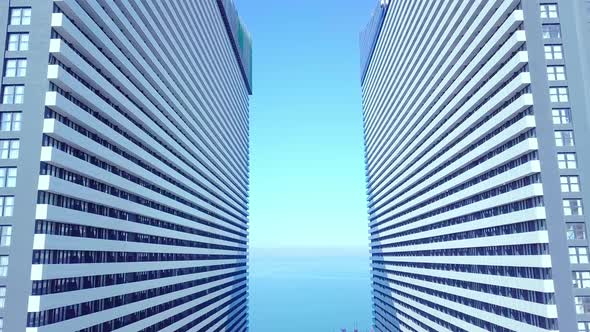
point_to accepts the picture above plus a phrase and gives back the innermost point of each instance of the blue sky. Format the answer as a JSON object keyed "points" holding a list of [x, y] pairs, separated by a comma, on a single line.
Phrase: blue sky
{"points": [[307, 167], [307, 197]]}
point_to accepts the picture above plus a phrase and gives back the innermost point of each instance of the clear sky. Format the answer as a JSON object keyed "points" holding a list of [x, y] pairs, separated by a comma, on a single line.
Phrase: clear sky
{"points": [[307, 197], [307, 167]]}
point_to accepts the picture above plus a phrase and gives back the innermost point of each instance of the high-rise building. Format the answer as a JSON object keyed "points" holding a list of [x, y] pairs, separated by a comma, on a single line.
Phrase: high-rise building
{"points": [[123, 166], [477, 122]]}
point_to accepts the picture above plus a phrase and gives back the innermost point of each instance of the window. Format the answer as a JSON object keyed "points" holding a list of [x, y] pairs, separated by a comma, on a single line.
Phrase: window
{"points": [[581, 279], [551, 31], [16, 68], [578, 255], [9, 149], [556, 73], [2, 297], [576, 231], [572, 207], [570, 184], [549, 10], [582, 304], [561, 116], [6, 206], [7, 177], [13, 94], [10, 121], [567, 161], [3, 266], [5, 236], [20, 16], [564, 138], [583, 326], [18, 41], [559, 95], [553, 52]]}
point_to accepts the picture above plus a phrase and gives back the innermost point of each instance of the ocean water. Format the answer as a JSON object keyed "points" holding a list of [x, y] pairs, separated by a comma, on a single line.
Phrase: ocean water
{"points": [[309, 290]]}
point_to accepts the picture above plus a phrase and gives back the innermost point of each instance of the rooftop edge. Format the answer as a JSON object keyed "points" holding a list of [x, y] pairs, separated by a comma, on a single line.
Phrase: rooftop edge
{"points": [[240, 38]]}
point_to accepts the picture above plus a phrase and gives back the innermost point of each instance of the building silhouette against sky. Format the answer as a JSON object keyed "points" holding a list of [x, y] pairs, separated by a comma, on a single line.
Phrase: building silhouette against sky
{"points": [[476, 118], [123, 166]]}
